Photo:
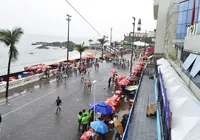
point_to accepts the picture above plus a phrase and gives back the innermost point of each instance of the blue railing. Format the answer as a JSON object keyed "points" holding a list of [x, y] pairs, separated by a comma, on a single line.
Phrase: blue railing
{"points": [[125, 134], [159, 135]]}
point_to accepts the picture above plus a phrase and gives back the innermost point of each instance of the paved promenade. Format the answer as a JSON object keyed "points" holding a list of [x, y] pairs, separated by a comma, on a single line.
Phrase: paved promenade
{"points": [[31, 116], [142, 127]]}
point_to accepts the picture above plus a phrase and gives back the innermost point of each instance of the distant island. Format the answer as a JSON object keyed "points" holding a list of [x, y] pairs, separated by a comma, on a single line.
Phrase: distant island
{"points": [[46, 45]]}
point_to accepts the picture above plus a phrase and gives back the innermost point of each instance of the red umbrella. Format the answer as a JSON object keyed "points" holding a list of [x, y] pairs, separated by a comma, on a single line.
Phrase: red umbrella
{"points": [[140, 63], [120, 77], [137, 68], [67, 63], [146, 53], [124, 82], [31, 68], [113, 71], [140, 66], [46, 67], [84, 58], [133, 78], [56, 64], [135, 72], [72, 60], [40, 66], [111, 103]]}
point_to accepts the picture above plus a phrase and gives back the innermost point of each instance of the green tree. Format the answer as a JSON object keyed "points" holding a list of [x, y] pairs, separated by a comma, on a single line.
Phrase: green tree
{"points": [[10, 38], [102, 41], [80, 48]]}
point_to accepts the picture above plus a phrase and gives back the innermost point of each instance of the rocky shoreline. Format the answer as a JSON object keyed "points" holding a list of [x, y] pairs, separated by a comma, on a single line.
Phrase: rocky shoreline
{"points": [[46, 45]]}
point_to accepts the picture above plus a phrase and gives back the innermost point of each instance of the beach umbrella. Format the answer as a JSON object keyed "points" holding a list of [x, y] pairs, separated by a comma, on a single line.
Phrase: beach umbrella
{"points": [[111, 102], [99, 127], [101, 107], [84, 58], [137, 68], [31, 68], [124, 82], [140, 63], [86, 135], [135, 72], [131, 88], [121, 77], [46, 67], [56, 64], [113, 71], [133, 78]]}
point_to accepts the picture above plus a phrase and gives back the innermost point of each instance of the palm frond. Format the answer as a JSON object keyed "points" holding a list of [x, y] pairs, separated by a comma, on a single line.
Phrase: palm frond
{"points": [[80, 48], [16, 34]]}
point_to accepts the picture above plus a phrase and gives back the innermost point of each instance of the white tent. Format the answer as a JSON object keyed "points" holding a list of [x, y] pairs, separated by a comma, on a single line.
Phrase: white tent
{"points": [[184, 107], [139, 43], [162, 61], [185, 128]]}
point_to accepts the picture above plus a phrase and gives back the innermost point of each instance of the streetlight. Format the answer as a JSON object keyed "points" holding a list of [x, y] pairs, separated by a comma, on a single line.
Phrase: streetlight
{"points": [[110, 39], [132, 46], [68, 19], [94, 82]]}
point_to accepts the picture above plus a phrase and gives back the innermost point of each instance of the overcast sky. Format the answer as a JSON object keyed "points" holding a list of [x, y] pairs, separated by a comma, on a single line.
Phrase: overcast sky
{"points": [[48, 17]]}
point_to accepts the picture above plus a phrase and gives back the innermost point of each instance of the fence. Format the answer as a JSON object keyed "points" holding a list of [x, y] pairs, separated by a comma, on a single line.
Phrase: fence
{"points": [[125, 134], [164, 109]]}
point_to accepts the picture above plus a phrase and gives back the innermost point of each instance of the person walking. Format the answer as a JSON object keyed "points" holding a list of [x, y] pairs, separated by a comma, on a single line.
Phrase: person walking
{"points": [[85, 120], [89, 85], [65, 77], [58, 103], [80, 115], [109, 81]]}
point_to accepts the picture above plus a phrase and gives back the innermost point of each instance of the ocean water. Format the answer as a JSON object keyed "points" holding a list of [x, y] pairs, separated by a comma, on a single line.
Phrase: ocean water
{"points": [[47, 56]]}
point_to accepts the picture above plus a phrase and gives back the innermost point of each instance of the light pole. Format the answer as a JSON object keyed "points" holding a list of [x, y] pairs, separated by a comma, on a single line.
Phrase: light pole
{"points": [[110, 39], [94, 82], [132, 46], [68, 19], [145, 35]]}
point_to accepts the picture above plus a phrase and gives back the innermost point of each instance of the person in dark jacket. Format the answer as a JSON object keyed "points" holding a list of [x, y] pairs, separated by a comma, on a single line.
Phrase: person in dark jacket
{"points": [[109, 81], [0, 122]]}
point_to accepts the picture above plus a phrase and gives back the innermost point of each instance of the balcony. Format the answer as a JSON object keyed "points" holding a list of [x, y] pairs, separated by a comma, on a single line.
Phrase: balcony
{"points": [[155, 9]]}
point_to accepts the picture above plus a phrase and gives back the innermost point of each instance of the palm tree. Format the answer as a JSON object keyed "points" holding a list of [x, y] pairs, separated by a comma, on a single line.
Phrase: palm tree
{"points": [[10, 39], [102, 41], [80, 48]]}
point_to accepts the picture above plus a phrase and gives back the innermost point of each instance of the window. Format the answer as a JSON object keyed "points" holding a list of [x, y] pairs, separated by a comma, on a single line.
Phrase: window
{"points": [[189, 16], [197, 3], [179, 17], [196, 15], [178, 30], [181, 7], [185, 5], [182, 35], [191, 3], [178, 35], [183, 28], [184, 17]]}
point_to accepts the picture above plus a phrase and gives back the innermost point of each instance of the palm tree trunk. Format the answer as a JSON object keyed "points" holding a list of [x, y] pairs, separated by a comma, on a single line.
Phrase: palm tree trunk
{"points": [[102, 52], [8, 75]]}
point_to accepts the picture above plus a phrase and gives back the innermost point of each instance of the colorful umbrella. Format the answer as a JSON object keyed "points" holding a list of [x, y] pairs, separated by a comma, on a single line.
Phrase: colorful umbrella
{"points": [[46, 67], [31, 68], [99, 127], [111, 103], [133, 78], [84, 58], [56, 64], [113, 71], [131, 88], [101, 107], [140, 63], [124, 82], [137, 68], [140, 66], [86, 135], [135, 72], [121, 77]]}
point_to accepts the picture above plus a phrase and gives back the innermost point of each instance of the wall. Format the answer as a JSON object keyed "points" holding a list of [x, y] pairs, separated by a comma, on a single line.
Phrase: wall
{"points": [[192, 43], [161, 23]]}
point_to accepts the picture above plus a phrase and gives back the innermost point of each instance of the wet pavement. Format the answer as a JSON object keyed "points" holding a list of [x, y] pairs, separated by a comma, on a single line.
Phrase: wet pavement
{"points": [[31, 116]]}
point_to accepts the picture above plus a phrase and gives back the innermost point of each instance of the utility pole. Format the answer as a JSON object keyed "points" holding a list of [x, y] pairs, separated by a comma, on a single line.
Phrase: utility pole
{"points": [[110, 39], [131, 66], [145, 35], [68, 19]]}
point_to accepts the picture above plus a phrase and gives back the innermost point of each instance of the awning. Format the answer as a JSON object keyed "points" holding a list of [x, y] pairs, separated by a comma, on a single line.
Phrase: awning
{"points": [[196, 67], [188, 62]]}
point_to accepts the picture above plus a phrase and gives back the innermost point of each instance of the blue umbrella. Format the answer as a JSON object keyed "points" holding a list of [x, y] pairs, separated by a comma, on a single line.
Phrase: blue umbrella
{"points": [[101, 107], [99, 126]]}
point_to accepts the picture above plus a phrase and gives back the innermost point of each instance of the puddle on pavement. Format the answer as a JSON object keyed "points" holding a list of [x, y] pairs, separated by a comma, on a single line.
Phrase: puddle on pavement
{"points": [[36, 87]]}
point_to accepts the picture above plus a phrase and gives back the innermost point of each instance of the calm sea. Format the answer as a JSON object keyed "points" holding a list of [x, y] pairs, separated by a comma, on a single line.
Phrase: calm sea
{"points": [[47, 56]]}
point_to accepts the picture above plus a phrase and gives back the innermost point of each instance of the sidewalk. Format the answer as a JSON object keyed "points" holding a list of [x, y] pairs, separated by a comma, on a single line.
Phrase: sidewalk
{"points": [[142, 127]]}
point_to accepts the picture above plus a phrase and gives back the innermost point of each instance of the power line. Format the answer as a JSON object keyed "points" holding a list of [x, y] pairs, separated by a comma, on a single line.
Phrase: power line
{"points": [[83, 17]]}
